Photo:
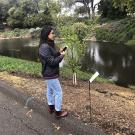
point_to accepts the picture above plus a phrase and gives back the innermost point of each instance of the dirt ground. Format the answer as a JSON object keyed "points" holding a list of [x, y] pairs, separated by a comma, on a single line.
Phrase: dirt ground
{"points": [[112, 107]]}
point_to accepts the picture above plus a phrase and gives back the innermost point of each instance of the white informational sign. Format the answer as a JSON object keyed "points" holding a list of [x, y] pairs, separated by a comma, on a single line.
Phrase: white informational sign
{"points": [[94, 77]]}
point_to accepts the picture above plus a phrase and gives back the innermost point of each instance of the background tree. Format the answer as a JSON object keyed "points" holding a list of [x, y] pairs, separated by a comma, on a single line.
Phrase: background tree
{"points": [[80, 11], [107, 10], [16, 16], [2, 12], [13, 2], [4, 7], [30, 13], [89, 6], [52, 8], [128, 4], [28, 7]]}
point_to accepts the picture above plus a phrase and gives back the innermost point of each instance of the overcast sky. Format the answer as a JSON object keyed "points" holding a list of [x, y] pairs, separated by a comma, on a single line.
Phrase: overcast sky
{"points": [[71, 11], [96, 1]]}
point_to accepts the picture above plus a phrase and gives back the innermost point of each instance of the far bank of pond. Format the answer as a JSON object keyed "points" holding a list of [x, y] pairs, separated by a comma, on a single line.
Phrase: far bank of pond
{"points": [[115, 62]]}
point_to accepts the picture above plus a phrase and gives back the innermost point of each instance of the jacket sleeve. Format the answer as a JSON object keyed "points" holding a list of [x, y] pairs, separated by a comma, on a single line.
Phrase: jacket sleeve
{"points": [[58, 53], [48, 57]]}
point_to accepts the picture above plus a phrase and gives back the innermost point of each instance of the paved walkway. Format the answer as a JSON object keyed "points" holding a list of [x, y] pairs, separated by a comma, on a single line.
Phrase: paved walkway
{"points": [[17, 120]]}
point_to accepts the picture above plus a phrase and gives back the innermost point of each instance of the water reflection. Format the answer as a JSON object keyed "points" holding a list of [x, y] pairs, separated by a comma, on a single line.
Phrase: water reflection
{"points": [[20, 48], [116, 62]]}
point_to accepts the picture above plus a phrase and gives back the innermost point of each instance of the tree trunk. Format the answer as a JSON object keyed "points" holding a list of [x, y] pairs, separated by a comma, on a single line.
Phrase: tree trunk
{"points": [[92, 9], [88, 11], [87, 8], [74, 79]]}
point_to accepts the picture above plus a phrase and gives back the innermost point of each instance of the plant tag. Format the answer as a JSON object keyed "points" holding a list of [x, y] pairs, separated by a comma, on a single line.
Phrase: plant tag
{"points": [[94, 77]]}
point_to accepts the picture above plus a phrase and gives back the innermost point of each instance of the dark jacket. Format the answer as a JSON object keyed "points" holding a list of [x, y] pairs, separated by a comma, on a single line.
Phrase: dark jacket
{"points": [[50, 59]]}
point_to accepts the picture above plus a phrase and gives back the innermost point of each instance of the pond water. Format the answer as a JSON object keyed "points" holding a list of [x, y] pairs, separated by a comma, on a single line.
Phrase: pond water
{"points": [[113, 61], [19, 48]]}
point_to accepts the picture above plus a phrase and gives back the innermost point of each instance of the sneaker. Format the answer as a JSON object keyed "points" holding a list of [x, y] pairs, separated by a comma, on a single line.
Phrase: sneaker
{"points": [[51, 109], [61, 114]]}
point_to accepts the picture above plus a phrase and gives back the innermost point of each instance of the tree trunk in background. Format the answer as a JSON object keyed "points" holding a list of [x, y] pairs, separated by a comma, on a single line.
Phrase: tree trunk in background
{"points": [[92, 9], [74, 79]]}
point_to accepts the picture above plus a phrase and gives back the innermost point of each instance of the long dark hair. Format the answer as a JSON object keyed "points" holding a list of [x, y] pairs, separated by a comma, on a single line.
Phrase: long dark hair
{"points": [[44, 34]]}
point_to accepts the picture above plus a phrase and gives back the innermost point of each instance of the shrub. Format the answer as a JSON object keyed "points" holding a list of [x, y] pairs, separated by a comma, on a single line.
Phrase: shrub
{"points": [[133, 37], [80, 29], [35, 32], [120, 31], [131, 42]]}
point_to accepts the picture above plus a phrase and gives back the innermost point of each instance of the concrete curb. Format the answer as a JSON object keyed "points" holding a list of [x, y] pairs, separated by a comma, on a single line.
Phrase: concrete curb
{"points": [[70, 123]]}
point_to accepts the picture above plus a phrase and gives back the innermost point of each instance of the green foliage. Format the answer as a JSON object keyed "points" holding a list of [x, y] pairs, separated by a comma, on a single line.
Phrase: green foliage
{"points": [[65, 20], [120, 31], [20, 66], [15, 33], [88, 5], [34, 69], [107, 10], [86, 76], [102, 34], [37, 20], [55, 8], [107, 35], [14, 23], [91, 22], [28, 14], [133, 37], [131, 42], [3, 11], [35, 33], [80, 10], [75, 48], [11, 11], [129, 4], [16, 16], [28, 6], [81, 30]]}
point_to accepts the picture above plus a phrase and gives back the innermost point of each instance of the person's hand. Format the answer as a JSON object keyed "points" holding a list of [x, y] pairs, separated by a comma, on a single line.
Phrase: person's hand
{"points": [[63, 53], [61, 50]]}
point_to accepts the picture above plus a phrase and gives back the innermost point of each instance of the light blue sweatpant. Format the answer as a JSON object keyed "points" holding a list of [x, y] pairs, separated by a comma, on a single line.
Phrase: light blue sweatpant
{"points": [[54, 93]]}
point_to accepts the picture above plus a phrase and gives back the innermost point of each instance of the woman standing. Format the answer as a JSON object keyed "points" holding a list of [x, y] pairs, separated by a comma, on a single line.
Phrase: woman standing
{"points": [[50, 59]]}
